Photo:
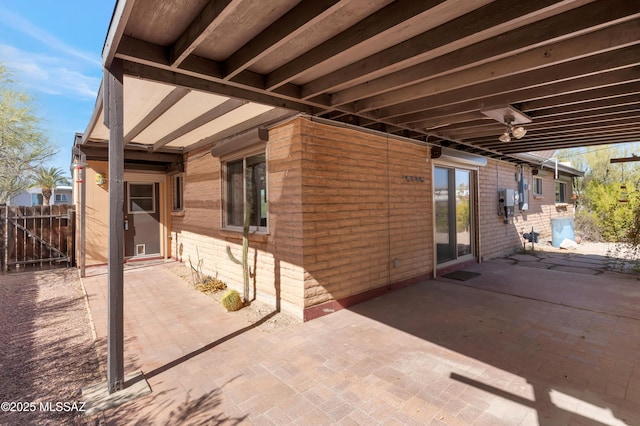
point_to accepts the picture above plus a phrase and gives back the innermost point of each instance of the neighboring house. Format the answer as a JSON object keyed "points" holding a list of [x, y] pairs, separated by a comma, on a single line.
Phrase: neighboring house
{"points": [[33, 197], [339, 214]]}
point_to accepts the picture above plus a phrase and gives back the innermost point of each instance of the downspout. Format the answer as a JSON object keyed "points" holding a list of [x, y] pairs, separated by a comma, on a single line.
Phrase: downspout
{"points": [[390, 262], [83, 219], [477, 215], [81, 179], [165, 208]]}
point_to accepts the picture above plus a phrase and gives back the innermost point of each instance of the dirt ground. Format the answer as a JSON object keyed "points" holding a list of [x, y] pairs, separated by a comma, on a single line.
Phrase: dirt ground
{"points": [[47, 352]]}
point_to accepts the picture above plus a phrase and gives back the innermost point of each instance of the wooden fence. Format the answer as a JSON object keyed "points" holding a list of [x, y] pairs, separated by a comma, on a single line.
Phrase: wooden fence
{"points": [[36, 237]]}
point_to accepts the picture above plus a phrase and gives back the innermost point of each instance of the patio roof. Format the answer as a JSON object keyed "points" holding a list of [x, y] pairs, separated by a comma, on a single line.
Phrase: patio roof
{"points": [[197, 71]]}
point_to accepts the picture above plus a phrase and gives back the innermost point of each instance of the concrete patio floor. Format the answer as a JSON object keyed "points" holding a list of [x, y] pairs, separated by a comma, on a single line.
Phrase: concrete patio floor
{"points": [[523, 343]]}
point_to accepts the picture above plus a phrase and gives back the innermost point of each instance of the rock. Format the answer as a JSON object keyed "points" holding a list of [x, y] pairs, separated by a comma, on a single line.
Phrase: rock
{"points": [[568, 244]]}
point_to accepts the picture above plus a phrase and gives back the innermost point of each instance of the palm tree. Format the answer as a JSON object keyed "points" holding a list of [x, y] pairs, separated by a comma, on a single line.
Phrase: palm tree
{"points": [[48, 180]]}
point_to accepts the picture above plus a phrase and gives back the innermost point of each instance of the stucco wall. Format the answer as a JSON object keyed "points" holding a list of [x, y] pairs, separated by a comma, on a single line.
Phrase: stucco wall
{"points": [[97, 214], [97, 210]]}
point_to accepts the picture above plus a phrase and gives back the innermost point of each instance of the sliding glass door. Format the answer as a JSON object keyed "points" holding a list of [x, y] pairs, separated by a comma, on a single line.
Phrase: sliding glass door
{"points": [[454, 213]]}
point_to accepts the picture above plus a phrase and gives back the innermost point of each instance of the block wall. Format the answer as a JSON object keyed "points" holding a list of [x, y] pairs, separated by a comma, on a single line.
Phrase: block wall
{"points": [[349, 212], [496, 237], [276, 256], [365, 203]]}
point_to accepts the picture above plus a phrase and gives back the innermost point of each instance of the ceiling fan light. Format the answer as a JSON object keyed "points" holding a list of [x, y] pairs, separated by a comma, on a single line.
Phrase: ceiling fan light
{"points": [[505, 137], [518, 132]]}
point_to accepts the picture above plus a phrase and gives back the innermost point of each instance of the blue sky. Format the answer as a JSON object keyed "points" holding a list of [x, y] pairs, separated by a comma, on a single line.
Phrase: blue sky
{"points": [[53, 49]]}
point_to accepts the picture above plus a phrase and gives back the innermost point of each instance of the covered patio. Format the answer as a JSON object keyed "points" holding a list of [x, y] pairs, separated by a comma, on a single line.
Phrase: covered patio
{"points": [[474, 77], [519, 343]]}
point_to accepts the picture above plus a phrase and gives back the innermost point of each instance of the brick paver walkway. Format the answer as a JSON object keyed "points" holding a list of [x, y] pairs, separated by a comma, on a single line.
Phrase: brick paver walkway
{"points": [[434, 353]]}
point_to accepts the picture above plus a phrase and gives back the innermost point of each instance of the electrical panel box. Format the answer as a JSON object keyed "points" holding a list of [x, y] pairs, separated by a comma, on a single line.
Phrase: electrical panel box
{"points": [[506, 204], [523, 194]]}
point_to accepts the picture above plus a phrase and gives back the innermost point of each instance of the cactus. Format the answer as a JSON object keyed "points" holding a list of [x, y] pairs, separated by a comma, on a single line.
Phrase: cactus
{"points": [[232, 301], [245, 249]]}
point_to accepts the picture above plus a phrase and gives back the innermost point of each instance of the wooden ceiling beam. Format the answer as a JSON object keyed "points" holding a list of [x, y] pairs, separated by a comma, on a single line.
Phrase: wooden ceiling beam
{"points": [[475, 34], [620, 127], [94, 151], [565, 141], [512, 148], [153, 55], [116, 29], [590, 115], [463, 126], [599, 93], [550, 132], [475, 130], [205, 23], [559, 134], [611, 131], [515, 149], [210, 115], [633, 158], [136, 50], [170, 100], [265, 119], [452, 119], [246, 84], [289, 26], [619, 102], [376, 24], [578, 100], [195, 78], [425, 111], [617, 37]]}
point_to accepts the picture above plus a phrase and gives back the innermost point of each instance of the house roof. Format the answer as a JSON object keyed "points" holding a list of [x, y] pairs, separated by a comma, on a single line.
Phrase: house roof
{"points": [[443, 72], [549, 162]]}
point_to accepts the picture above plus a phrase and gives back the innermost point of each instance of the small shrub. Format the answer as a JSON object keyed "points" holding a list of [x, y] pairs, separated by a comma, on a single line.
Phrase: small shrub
{"points": [[210, 285], [232, 300]]}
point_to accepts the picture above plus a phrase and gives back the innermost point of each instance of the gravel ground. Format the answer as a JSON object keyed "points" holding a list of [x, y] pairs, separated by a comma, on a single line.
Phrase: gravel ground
{"points": [[47, 352]]}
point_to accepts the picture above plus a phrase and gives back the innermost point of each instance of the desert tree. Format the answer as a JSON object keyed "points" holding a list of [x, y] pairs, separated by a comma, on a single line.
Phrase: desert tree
{"points": [[23, 145]]}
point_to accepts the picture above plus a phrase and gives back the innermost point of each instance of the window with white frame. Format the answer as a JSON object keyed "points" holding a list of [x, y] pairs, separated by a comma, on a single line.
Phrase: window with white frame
{"points": [[177, 197], [561, 192], [61, 198], [537, 187], [246, 182]]}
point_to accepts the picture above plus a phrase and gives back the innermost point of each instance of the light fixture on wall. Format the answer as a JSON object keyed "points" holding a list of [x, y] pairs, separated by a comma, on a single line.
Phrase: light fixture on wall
{"points": [[510, 117], [101, 179], [517, 132]]}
